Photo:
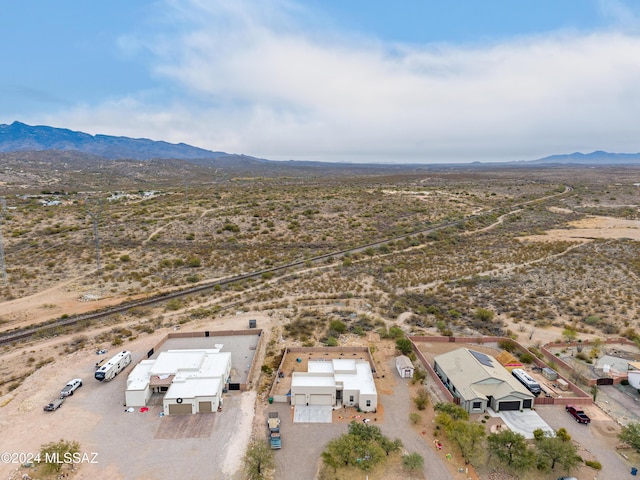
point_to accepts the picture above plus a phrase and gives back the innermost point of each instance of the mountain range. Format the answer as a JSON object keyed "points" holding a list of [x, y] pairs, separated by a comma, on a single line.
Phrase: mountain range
{"points": [[20, 137]]}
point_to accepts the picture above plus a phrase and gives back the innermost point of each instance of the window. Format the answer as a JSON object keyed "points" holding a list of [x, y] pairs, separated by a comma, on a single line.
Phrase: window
{"points": [[477, 405], [351, 398], [368, 403]]}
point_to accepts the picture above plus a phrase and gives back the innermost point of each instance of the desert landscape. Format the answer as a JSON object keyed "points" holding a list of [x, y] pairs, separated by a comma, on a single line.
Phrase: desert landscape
{"points": [[544, 250]]}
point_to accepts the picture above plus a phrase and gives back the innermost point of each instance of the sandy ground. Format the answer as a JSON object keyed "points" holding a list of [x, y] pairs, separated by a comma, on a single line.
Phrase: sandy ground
{"points": [[21, 409], [25, 426]]}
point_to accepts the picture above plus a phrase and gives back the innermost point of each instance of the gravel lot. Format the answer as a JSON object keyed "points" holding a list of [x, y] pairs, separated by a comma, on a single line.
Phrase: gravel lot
{"points": [[598, 439]]}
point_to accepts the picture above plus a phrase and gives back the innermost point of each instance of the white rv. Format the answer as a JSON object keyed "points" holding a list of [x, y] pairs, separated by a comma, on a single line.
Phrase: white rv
{"points": [[114, 366]]}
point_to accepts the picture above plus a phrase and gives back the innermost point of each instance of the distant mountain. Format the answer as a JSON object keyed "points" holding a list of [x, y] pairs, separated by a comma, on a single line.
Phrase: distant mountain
{"points": [[589, 159], [21, 137]]}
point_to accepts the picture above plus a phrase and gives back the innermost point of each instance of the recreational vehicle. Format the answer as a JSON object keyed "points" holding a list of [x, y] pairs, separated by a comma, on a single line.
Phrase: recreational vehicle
{"points": [[527, 381], [114, 366]]}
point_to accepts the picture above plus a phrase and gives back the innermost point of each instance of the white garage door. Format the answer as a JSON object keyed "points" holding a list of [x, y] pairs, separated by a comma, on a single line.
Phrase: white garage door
{"points": [[318, 399], [300, 399]]}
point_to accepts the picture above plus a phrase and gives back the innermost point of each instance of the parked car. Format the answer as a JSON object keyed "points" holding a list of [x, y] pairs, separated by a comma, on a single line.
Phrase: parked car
{"points": [[70, 387], [567, 478], [55, 404]]}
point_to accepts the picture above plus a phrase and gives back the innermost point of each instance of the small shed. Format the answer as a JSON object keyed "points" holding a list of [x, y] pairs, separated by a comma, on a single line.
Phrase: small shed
{"points": [[562, 384], [404, 366], [549, 373]]}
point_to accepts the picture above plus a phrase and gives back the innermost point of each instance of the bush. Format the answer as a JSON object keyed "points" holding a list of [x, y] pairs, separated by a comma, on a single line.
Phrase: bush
{"points": [[414, 418], [593, 464]]}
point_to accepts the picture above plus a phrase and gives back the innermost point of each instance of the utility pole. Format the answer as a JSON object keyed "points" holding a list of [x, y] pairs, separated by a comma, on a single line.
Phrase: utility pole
{"points": [[3, 210], [94, 213]]}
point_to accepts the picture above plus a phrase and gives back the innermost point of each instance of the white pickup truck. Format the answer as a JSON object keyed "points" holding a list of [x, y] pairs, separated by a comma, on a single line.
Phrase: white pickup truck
{"points": [[70, 387]]}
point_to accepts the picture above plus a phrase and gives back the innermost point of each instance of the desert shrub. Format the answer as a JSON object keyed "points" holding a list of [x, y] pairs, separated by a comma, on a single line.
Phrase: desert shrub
{"points": [[593, 464], [414, 418]]}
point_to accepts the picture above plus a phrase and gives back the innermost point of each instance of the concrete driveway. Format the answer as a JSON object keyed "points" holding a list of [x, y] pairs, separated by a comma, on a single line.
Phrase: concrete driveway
{"points": [[524, 422], [312, 414]]}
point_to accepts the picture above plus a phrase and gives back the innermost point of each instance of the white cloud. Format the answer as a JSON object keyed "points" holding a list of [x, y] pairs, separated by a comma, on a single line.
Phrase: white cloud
{"points": [[260, 78]]}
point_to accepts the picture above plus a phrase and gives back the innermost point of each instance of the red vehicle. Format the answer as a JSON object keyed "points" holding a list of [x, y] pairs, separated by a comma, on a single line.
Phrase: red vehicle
{"points": [[578, 414]]}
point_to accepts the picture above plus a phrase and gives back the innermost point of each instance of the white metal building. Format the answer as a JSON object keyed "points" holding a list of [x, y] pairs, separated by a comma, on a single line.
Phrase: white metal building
{"points": [[335, 382], [192, 380]]}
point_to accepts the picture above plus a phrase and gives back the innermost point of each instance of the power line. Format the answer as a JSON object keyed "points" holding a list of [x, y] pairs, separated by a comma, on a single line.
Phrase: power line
{"points": [[3, 210], [94, 213]]}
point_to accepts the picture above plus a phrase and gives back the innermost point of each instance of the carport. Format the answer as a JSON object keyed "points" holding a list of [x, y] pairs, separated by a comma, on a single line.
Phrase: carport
{"points": [[312, 414]]}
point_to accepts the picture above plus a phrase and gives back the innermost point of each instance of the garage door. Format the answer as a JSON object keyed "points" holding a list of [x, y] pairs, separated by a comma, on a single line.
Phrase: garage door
{"points": [[502, 406], [300, 399], [179, 409], [526, 404], [204, 407], [318, 399]]}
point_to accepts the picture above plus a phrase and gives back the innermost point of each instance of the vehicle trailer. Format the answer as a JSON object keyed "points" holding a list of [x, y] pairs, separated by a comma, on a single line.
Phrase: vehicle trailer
{"points": [[273, 423], [55, 404], [113, 367]]}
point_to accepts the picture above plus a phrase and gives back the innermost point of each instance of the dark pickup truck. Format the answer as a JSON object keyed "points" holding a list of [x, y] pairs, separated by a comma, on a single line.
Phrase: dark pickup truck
{"points": [[579, 415]]}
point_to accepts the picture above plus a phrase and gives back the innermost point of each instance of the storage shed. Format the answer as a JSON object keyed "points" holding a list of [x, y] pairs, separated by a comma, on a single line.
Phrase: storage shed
{"points": [[404, 366], [549, 373]]}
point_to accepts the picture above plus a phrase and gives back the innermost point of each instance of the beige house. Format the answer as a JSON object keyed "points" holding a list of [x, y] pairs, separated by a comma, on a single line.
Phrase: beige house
{"points": [[335, 383], [481, 382]]}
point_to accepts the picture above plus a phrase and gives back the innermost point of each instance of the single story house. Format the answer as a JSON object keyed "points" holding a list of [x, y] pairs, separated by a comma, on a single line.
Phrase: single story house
{"points": [[481, 382], [404, 366], [192, 380], [335, 383]]}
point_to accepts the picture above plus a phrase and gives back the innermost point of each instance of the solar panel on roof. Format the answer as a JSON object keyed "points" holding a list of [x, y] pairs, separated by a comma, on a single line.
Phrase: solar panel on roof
{"points": [[482, 358]]}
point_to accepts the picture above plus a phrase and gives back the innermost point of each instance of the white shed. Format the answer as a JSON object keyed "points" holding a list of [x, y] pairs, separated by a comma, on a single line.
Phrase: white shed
{"points": [[404, 366]]}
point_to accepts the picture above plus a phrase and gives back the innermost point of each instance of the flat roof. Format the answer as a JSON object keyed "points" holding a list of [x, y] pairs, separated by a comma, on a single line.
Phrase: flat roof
{"points": [[353, 374], [361, 381], [312, 379], [194, 387], [138, 379], [168, 363]]}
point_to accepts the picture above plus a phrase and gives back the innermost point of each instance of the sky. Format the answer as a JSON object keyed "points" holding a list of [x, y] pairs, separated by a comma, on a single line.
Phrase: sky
{"points": [[413, 81]]}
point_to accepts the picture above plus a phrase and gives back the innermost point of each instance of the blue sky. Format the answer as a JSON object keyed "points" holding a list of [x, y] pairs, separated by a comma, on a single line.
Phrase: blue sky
{"points": [[418, 81]]}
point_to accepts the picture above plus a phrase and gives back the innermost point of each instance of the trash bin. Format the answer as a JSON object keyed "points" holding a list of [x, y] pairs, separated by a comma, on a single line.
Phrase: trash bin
{"points": [[634, 471], [270, 399]]}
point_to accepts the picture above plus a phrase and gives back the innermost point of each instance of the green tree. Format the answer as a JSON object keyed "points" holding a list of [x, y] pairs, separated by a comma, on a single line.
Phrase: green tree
{"points": [[456, 412], [390, 446], [53, 454], [468, 436], [630, 434], [259, 460], [569, 334], [511, 449], [413, 462], [557, 450], [404, 345]]}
